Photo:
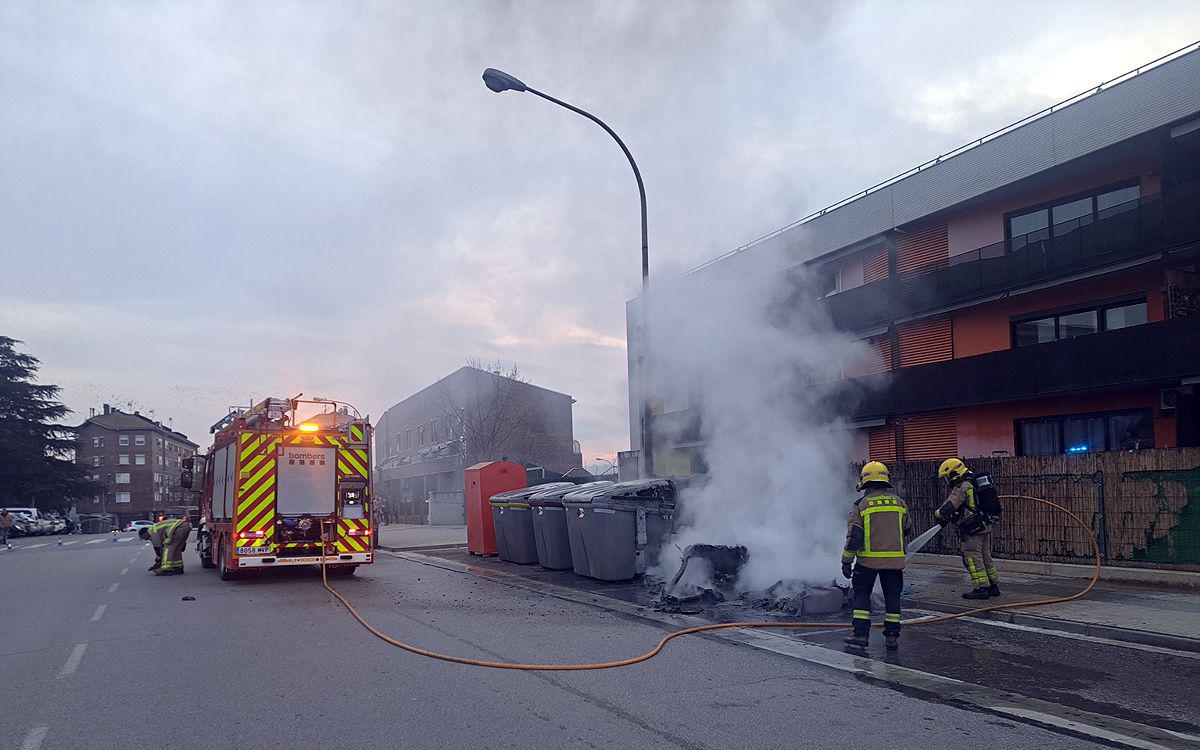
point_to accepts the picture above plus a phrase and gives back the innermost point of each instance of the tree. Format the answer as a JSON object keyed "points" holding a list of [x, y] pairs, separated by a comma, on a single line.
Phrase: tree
{"points": [[488, 417], [35, 452]]}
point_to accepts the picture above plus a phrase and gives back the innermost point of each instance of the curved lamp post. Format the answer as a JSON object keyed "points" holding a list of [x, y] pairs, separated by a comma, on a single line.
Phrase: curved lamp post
{"points": [[499, 81]]}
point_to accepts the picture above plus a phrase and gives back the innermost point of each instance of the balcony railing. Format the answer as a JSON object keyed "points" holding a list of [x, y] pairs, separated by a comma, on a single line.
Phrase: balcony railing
{"points": [[1155, 223]]}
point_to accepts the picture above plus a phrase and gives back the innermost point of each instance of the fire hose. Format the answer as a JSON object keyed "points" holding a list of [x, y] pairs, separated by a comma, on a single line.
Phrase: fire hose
{"points": [[730, 625]]}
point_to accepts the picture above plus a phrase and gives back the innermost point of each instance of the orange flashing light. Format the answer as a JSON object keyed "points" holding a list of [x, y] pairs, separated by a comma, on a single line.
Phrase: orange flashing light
{"points": [[308, 427]]}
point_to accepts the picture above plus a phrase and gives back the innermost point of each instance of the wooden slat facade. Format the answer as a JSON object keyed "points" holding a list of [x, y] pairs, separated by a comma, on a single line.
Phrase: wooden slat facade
{"points": [[930, 436], [881, 443], [922, 250], [875, 267], [926, 341]]}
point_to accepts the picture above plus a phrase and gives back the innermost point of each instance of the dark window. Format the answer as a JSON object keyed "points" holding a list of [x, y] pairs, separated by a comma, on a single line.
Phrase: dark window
{"points": [[1069, 325], [1086, 433], [1066, 215]]}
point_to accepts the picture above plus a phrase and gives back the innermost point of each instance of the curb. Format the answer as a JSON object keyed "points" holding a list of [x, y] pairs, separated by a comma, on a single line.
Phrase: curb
{"points": [[1111, 632], [1109, 573], [419, 547]]}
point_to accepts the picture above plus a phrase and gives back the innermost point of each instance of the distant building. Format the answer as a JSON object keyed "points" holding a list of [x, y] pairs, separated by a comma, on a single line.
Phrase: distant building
{"points": [[1034, 293], [138, 461], [423, 443]]}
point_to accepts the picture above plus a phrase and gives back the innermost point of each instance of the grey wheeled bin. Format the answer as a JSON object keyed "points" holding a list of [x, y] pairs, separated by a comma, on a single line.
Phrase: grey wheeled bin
{"points": [[550, 525], [513, 522], [616, 531]]}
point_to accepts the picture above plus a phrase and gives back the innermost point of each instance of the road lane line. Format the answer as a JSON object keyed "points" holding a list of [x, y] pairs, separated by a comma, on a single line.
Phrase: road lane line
{"points": [[35, 546], [99, 612], [73, 661], [33, 740], [76, 541], [113, 587], [124, 571], [1083, 637], [94, 541], [133, 559]]}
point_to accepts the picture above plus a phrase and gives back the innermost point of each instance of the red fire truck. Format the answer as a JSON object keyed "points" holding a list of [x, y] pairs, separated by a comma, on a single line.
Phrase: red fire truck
{"points": [[280, 488]]}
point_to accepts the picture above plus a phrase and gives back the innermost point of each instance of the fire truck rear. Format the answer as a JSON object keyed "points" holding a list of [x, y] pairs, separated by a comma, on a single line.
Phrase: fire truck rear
{"points": [[279, 491]]}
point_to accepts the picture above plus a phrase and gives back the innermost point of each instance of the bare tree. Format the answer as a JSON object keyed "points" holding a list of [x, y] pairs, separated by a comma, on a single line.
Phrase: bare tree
{"points": [[488, 417]]}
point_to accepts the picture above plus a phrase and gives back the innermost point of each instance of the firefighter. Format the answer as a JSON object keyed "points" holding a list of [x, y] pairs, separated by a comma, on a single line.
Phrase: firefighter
{"points": [[875, 535], [168, 539], [974, 532]]}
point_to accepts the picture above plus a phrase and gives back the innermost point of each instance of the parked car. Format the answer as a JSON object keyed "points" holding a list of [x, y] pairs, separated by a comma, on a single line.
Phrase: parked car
{"points": [[136, 525], [36, 523], [21, 525], [58, 524]]}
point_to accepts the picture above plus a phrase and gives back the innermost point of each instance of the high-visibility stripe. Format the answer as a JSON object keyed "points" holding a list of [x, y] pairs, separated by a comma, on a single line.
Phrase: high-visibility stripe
{"points": [[255, 480], [251, 446], [891, 618], [862, 614]]}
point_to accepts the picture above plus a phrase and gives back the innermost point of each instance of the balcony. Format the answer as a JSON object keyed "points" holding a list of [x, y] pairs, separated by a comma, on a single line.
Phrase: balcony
{"points": [[1153, 224], [1148, 355]]}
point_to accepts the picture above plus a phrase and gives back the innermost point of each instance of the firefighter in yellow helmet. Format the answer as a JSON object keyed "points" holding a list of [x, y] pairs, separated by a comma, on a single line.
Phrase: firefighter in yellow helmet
{"points": [[875, 536], [974, 532]]}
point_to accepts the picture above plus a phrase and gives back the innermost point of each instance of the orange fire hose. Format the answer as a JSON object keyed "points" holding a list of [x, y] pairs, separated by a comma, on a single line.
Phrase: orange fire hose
{"points": [[726, 625]]}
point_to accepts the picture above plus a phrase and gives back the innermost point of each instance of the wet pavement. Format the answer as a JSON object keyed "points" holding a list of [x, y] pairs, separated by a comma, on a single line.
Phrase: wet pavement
{"points": [[1144, 684]]}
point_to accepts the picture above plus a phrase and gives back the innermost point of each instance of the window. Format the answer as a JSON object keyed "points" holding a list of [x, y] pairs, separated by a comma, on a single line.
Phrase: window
{"points": [[158, 459], [139, 439], [123, 459], [420, 434], [123, 497], [157, 497], [408, 438], [97, 442], [123, 440], [1086, 433], [140, 459], [1069, 325], [1065, 216], [121, 478], [96, 460]]}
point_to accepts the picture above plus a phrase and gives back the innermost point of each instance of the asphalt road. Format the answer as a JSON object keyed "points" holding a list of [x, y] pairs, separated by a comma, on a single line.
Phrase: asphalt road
{"points": [[99, 653]]}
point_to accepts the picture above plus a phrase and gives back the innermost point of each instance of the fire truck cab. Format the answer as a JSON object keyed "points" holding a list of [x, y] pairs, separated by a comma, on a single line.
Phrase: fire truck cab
{"points": [[281, 489]]}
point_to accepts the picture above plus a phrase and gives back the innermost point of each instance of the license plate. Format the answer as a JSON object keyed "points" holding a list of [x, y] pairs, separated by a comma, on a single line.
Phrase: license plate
{"points": [[253, 550]]}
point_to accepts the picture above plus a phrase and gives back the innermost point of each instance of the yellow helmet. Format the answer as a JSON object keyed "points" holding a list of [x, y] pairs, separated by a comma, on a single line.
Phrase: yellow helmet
{"points": [[873, 471], [952, 469]]}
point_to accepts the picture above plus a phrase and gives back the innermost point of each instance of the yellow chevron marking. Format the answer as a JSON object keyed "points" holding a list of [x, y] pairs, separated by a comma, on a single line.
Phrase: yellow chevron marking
{"points": [[251, 447], [254, 479], [245, 518], [254, 496]]}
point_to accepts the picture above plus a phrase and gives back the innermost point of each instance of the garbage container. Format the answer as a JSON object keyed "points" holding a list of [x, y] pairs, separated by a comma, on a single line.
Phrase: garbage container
{"points": [[514, 524], [615, 530], [550, 525]]}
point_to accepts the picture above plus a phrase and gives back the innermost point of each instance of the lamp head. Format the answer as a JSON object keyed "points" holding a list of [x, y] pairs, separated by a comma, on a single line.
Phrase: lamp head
{"points": [[498, 80]]}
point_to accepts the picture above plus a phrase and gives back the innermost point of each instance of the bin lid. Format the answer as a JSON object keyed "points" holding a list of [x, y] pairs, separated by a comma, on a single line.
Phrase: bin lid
{"points": [[639, 493], [523, 494], [555, 496]]}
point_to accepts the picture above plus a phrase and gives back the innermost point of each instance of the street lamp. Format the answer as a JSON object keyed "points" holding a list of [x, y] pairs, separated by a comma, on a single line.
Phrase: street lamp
{"points": [[499, 81], [611, 466]]}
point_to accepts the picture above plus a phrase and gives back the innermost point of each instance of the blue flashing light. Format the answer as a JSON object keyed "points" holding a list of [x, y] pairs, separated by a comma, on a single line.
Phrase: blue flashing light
{"points": [[1077, 449]]}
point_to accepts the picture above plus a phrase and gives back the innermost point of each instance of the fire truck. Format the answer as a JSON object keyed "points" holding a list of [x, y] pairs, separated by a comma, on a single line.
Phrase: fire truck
{"points": [[279, 489]]}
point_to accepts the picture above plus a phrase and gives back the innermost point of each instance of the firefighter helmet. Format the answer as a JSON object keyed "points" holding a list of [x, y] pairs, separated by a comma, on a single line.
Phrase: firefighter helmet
{"points": [[873, 471], [952, 469]]}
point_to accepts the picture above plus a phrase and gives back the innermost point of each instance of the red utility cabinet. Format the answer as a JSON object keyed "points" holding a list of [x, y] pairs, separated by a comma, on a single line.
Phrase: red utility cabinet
{"points": [[481, 482]]}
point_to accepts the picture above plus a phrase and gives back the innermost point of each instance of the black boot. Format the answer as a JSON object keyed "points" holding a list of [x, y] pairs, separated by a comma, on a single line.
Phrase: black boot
{"points": [[858, 641], [892, 642], [994, 590], [977, 594]]}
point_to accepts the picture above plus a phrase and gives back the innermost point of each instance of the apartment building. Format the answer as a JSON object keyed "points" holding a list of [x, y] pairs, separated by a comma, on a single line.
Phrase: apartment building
{"points": [[1034, 292], [136, 458]]}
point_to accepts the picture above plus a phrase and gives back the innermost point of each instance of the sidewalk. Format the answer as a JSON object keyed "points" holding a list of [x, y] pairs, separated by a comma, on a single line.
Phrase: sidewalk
{"points": [[399, 537], [1135, 612]]}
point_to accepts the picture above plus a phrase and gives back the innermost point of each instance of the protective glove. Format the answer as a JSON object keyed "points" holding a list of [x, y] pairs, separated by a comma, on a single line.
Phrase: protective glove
{"points": [[847, 571]]}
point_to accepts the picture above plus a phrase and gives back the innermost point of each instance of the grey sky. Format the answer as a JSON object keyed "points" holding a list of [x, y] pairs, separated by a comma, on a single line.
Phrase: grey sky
{"points": [[207, 202]]}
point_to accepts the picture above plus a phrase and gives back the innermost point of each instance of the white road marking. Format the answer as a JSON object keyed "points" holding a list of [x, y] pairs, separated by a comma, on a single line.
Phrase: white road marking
{"points": [[35, 546], [113, 587], [94, 541], [124, 571], [33, 740], [73, 660], [1088, 638], [99, 612], [76, 541], [133, 559]]}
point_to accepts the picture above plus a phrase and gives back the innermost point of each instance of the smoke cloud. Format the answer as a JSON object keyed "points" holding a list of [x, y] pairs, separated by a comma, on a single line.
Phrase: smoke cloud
{"points": [[744, 346]]}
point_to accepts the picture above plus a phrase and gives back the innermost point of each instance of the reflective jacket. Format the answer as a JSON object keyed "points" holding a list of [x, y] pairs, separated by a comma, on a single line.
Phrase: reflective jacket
{"points": [[876, 531], [160, 533], [961, 504]]}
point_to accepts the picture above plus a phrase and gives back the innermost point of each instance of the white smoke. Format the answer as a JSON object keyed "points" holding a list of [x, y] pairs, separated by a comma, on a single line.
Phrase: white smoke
{"points": [[748, 349]]}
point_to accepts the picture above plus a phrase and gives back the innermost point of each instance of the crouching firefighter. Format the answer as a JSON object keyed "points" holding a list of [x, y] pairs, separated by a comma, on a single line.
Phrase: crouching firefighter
{"points": [[168, 539], [964, 508], [875, 535]]}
